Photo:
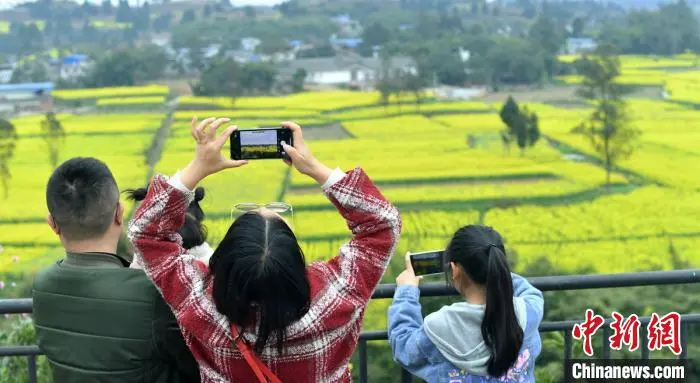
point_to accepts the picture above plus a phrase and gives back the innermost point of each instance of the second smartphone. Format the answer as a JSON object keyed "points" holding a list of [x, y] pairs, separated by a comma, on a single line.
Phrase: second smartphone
{"points": [[260, 144], [428, 262]]}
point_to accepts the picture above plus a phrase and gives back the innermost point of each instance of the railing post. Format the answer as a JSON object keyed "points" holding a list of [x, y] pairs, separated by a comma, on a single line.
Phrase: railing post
{"points": [[643, 345], [31, 367], [568, 345], [406, 376], [684, 340], [606, 342], [363, 361]]}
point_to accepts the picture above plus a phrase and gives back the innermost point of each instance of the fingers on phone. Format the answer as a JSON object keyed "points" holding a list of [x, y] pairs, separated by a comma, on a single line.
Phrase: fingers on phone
{"points": [[211, 131]]}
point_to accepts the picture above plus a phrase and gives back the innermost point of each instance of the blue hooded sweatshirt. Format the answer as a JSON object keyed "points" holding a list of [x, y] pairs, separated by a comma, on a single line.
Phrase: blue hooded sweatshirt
{"points": [[448, 346]]}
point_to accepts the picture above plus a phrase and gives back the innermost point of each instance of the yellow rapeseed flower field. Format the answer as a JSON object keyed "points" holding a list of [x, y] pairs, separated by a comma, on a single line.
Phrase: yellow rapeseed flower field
{"points": [[140, 91], [442, 163]]}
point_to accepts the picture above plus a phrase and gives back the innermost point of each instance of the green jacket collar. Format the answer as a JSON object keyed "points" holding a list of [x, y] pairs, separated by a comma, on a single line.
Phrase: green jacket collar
{"points": [[94, 260]]}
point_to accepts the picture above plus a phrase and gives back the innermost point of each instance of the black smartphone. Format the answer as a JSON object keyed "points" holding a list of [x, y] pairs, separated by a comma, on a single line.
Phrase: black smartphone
{"points": [[259, 144], [428, 262]]}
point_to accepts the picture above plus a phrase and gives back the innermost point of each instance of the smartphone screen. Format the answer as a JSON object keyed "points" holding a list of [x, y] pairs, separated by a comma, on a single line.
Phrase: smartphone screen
{"points": [[258, 144], [428, 262]]}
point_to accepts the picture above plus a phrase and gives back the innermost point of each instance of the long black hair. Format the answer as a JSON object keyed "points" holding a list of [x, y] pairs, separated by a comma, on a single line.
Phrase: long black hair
{"points": [[193, 231], [260, 275], [479, 251]]}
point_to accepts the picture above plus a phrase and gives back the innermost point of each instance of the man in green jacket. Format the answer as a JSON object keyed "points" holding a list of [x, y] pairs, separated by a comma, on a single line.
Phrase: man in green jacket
{"points": [[97, 320]]}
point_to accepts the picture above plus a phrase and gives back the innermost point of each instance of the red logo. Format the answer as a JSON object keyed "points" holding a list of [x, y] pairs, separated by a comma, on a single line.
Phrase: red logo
{"points": [[665, 332], [662, 332], [625, 331], [587, 329]]}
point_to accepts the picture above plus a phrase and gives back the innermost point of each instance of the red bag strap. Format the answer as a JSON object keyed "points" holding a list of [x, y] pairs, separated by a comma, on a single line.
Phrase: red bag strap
{"points": [[261, 371]]}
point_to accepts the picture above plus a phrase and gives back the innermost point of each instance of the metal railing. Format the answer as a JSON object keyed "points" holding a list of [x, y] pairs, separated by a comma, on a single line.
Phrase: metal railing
{"points": [[386, 291]]}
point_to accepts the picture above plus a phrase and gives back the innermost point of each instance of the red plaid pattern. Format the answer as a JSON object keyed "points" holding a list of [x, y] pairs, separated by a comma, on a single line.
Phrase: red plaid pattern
{"points": [[320, 344]]}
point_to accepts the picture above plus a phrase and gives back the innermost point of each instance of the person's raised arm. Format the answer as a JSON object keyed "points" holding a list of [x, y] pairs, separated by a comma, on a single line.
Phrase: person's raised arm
{"points": [[405, 324], [375, 223], [154, 229]]}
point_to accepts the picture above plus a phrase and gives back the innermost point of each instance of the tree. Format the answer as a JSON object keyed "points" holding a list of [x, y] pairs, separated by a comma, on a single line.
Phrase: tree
{"points": [[298, 80], [163, 22], [608, 128], [522, 125], [8, 143], [549, 37], [414, 84], [509, 112], [272, 46], [229, 79], [257, 78], [124, 12], [249, 12], [529, 9], [29, 71], [386, 88], [142, 17], [125, 67], [533, 129], [53, 134], [505, 139], [324, 50], [107, 8], [512, 117], [375, 34], [510, 61], [188, 16], [577, 27]]}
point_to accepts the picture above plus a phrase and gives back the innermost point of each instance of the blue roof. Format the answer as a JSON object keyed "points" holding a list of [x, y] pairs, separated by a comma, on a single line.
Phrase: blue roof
{"points": [[350, 43], [74, 59], [342, 18], [579, 40], [34, 87], [296, 43]]}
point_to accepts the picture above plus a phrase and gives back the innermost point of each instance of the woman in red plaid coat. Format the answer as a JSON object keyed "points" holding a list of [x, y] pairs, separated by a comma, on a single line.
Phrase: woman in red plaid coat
{"points": [[301, 322]]}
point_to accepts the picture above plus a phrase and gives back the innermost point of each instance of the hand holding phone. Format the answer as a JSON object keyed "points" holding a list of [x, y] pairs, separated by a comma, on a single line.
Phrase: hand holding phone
{"points": [[428, 262], [408, 276], [260, 144], [301, 158]]}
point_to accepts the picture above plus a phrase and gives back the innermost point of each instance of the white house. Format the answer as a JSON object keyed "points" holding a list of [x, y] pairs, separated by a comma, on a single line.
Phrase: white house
{"points": [[29, 97], [576, 45], [250, 43], [74, 66], [6, 71], [346, 70], [348, 26], [161, 39]]}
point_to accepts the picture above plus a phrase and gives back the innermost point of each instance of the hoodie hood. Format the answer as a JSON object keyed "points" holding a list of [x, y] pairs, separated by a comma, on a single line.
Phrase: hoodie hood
{"points": [[456, 332]]}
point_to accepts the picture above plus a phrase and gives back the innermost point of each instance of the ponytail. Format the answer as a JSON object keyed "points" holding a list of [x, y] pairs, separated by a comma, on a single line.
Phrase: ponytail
{"points": [[500, 328], [136, 194], [480, 252]]}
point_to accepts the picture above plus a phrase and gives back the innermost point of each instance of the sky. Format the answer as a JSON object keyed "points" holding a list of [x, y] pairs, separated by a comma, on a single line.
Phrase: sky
{"points": [[9, 3]]}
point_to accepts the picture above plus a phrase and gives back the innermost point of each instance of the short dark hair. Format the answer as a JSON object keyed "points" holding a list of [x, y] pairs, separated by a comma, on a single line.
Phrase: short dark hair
{"points": [[260, 273], [82, 197]]}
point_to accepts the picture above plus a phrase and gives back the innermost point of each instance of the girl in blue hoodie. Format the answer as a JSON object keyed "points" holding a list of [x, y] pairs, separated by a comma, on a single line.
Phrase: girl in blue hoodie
{"points": [[490, 337]]}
